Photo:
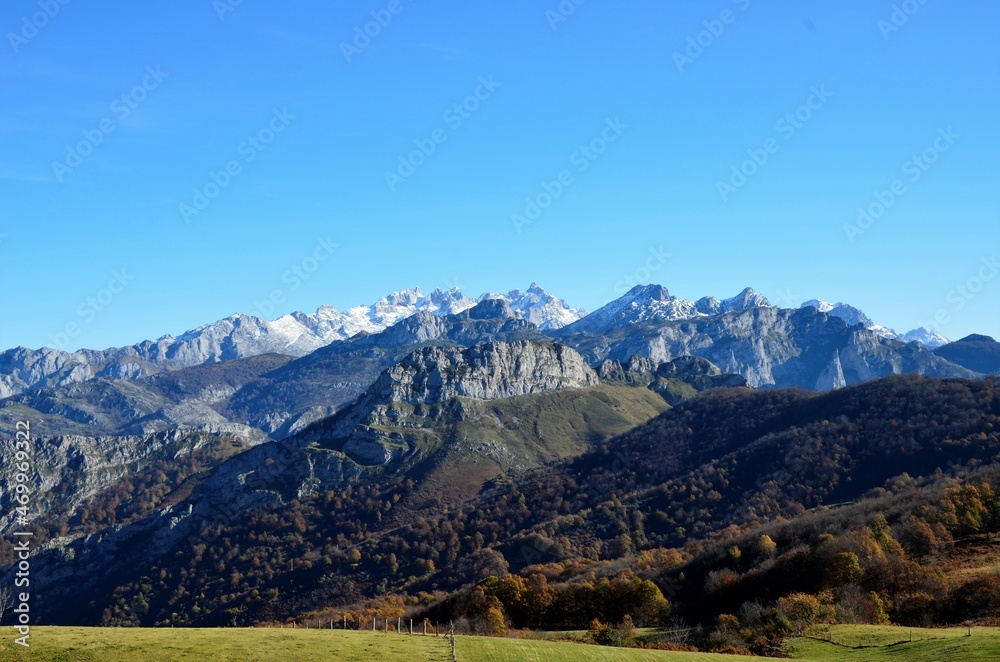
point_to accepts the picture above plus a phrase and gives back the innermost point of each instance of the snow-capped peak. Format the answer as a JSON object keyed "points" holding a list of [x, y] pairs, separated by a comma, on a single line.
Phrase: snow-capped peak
{"points": [[821, 306], [844, 311], [643, 303], [539, 307], [929, 339], [746, 299], [852, 315]]}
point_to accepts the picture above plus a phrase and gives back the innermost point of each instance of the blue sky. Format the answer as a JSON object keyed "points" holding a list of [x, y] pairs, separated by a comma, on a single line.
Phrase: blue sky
{"points": [[627, 123]]}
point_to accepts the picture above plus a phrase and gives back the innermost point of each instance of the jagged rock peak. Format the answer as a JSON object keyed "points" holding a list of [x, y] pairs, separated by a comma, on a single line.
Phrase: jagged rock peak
{"points": [[489, 309], [708, 306], [539, 307], [748, 298], [649, 293], [853, 315], [844, 311]]}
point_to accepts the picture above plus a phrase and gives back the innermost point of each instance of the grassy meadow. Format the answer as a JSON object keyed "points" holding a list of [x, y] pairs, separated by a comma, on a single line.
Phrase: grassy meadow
{"points": [[70, 644]]}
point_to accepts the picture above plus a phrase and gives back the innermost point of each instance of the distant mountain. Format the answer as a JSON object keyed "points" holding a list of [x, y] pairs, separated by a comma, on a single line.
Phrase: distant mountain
{"points": [[328, 324], [768, 346], [929, 339], [646, 304], [844, 311], [852, 315], [748, 298], [646, 314], [240, 335], [975, 352], [539, 307], [336, 374], [187, 397]]}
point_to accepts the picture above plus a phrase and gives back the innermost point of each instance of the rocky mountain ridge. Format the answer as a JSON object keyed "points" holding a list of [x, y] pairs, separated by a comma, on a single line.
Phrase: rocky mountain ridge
{"points": [[241, 335], [299, 334], [853, 315], [769, 346]]}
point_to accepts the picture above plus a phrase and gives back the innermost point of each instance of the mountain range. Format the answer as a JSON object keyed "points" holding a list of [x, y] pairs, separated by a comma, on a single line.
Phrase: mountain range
{"points": [[258, 379], [298, 334], [150, 459], [241, 335]]}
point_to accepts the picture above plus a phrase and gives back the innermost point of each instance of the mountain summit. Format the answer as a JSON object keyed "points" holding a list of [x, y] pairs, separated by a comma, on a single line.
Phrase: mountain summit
{"points": [[539, 307], [852, 316], [654, 303]]}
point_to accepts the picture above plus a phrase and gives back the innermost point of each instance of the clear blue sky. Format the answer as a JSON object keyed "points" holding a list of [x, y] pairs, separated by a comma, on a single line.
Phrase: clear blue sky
{"points": [[879, 97]]}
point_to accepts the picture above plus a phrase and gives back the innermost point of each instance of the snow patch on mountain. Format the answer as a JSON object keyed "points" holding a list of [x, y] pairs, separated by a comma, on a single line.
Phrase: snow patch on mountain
{"points": [[852, 315], [328, 324], [539, 307], [237, 336], [844, 311], [929, 339], [654, 303]]}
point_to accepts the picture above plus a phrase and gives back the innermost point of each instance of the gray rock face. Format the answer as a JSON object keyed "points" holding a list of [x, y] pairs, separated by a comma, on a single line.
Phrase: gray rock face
{"points": [[487, 372], [83, 466], [189, 397], [698, 373], [435, 375], [22, 368], [769, 347], [239, 336], [340, 372], [844, 311]]}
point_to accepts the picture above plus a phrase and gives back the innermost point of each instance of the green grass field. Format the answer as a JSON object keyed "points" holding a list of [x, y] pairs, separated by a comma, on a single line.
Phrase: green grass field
{"points": [[163, 645], [68, 644], [871, 643]]}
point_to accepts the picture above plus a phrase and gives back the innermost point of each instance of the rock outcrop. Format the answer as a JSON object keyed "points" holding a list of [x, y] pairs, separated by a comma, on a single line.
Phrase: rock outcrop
{"points": [[487, 372]]}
